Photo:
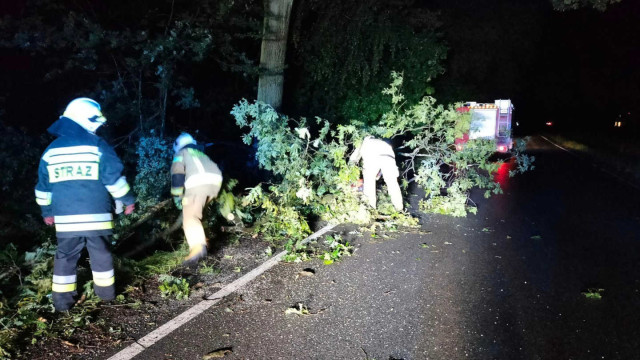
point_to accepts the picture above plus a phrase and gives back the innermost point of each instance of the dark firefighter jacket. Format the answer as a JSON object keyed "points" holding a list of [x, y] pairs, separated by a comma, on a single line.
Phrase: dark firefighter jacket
{"points": [[77, 176]]}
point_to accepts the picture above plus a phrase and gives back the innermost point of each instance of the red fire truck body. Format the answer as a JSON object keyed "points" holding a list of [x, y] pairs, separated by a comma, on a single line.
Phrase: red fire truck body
{"points": [[490, 121]]}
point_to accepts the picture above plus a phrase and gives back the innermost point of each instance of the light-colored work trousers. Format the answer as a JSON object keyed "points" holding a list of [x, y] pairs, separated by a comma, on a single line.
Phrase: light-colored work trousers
{"points": [[370, 168], [193, 203]]}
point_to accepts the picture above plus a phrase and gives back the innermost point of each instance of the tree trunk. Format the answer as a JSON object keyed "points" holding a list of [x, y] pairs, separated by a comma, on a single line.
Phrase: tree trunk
{"points": [[273, 52]]}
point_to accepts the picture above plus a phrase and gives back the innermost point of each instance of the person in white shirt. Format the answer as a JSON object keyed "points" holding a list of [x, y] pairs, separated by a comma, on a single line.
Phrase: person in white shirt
{"points": [[378, 156]]}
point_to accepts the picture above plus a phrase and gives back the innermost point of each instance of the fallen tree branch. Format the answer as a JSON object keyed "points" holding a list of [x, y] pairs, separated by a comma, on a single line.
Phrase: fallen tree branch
{"points": [[146, 217], [163, 235], [152, 211], [13, 270]]}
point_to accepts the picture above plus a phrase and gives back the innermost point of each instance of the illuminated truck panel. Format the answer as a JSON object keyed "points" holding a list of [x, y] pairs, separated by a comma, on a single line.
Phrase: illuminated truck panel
{"points": [[489, 121]]}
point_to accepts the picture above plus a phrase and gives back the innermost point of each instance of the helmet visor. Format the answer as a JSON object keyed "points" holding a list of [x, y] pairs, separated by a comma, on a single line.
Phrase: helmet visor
{"points": [[98, 119]]}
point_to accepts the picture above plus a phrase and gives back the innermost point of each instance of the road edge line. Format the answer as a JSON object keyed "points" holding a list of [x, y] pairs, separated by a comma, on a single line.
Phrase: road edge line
{"points": [[615, 176], [156, 335], [558, 146]]}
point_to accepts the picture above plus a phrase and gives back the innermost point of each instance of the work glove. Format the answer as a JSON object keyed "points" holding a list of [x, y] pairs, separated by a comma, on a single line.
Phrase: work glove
{"points": [[178, 202], [119, 207], [49, 220], [130, 209]]}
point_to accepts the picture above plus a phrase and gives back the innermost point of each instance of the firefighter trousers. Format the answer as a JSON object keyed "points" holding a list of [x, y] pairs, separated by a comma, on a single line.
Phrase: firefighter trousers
{"points": [[65, 269], [193, 203], [370, 169]]}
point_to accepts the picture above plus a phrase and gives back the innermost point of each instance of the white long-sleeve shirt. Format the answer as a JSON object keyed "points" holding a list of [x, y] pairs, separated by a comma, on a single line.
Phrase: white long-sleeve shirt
{"points": [[370, 149]]}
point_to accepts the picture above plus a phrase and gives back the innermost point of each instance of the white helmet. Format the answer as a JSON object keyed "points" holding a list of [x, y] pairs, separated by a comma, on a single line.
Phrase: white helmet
{"points": [[86, 113], [183, 140]]}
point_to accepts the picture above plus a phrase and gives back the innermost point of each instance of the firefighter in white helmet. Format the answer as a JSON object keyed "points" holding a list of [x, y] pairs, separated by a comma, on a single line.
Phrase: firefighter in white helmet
{"points": [[78, 175], [378, 156], [195, 180]]}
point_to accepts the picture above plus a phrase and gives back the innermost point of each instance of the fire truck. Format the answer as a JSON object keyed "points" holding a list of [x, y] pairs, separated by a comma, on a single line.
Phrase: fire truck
{"points": [[490, 121]]}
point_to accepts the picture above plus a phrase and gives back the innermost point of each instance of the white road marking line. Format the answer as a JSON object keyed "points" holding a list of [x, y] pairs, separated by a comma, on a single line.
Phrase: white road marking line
{"points": [[616, 176], [153, 337], [558, 146]]}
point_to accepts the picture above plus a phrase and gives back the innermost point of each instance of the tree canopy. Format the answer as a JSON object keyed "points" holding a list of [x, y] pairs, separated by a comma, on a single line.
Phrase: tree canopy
{"points": [[142, 60], [343, 52]]}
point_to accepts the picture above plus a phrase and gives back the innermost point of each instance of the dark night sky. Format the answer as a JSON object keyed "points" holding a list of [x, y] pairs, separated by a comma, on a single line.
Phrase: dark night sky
{"points": [[578, 67], [575, 68], [592, 61]]}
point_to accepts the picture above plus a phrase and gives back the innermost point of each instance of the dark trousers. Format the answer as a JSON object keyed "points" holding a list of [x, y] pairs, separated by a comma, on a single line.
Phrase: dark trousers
{"points": [[66, 263]]}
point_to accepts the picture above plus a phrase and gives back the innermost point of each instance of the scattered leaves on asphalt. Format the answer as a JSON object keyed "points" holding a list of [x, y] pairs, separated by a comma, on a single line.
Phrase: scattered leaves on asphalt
{"points": [[299, 310], [424, 246], [487, 229], [308, 272], [217, 354]]}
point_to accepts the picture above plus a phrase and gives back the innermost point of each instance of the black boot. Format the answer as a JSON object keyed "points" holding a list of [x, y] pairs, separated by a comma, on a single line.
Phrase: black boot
{"points": [[63, 301]]}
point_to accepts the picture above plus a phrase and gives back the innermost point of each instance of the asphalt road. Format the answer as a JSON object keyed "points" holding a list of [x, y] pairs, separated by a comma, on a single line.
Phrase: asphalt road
{"points": [[506, 283]]}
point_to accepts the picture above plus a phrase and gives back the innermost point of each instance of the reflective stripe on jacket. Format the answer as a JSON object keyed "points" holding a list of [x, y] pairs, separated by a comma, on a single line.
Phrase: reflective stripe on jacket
{"points": [[78, 175], [192, 168]]}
